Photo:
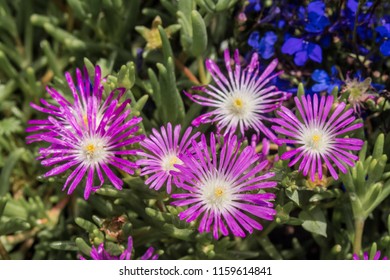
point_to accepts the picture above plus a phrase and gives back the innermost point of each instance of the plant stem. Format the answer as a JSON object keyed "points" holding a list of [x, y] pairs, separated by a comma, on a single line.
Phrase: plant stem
{"points": [[3, 252], [187, 72], [269, 248], [202, 73], [268, 229], [359, 227]]}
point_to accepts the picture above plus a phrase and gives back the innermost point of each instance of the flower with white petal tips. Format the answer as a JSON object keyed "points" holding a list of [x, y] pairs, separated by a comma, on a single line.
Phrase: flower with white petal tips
{"points": [[224, 190], [241, 100], [90, 133], [367, 257], [319, 136], [100, 253], [161, 151]]}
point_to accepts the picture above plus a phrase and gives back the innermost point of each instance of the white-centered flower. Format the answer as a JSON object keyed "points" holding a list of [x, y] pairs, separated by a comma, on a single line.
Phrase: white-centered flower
{"points": [[318, 133], [241, 100], [94, 150], [222, 188], [161, 154], [217, 193], [91, 133]]}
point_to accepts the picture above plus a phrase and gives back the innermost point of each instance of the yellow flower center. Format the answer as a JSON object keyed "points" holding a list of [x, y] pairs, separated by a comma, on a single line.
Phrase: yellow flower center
{"points": [[316, 138], [238, 103], [93, 150], [315, 141], [169, 161], [218, 192], [90, 149], [173, 161]]}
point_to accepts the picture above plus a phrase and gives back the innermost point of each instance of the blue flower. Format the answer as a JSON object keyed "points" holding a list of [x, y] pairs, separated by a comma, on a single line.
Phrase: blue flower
{"points": [[364, 17], [302, 50], [316, 23], [324, 81], [265, 45], [281, 23], [284, 85], [317, 7], [316, 20], [353, 5], [384, 32], [254, 5]]}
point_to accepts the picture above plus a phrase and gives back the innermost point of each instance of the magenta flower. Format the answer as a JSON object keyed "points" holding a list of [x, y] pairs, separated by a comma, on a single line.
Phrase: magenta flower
{"points": [[366, 257], [264, 153], [91, 133], [224, 190], [318, 135], [101, 254], [161, 154], [242, 100]]}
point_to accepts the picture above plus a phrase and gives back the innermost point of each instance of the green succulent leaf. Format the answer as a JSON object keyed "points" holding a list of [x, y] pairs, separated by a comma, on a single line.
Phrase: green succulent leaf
{"points": [[13, 225], [314, 221]]}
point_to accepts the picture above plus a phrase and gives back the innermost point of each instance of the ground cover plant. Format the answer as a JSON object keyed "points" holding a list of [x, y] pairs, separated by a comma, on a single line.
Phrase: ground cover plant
{"points": [[194, 129]]}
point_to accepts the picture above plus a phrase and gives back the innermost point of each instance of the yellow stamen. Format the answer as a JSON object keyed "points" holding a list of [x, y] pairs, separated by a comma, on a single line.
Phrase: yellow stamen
{"points": [[173, 161], [316, 138], [218, 192], [238, 103], [90, 149]]}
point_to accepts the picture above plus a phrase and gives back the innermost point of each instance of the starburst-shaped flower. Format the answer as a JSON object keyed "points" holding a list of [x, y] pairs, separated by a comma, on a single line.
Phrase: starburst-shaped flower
{"points": [[224, 190], [91, 133], [242, 99], [161, 154], [100, 253], [318, 133], [366, 256]]}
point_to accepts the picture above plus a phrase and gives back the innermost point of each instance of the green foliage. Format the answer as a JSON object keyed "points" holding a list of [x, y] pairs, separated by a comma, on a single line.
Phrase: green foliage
{"points": [[367, 182], [314, 221], [40, 40]]}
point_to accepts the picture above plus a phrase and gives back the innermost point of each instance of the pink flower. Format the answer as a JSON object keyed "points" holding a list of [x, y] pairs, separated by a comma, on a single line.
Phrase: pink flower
{"points": [[101, 254], [223, 189], [318, 135], [87, 135], [242, 100], [161, 154]]}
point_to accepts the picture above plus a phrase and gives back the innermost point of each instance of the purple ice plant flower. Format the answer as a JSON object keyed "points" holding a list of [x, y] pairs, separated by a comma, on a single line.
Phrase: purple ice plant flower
{"points": [[366, 257], [100, 253], [161, 151], [223, 190], [264, 152], [302, 50], [318, 135], [240, 100], [86, 135]]}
